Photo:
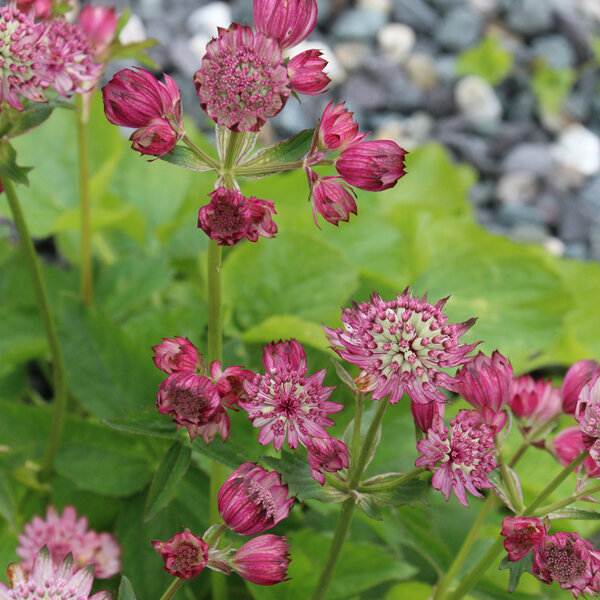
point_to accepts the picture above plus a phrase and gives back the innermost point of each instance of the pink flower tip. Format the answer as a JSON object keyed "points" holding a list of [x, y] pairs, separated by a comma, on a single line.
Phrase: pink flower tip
{"points": [[534, 401], [177, 355], [288, 22], [185, 554], [332, 198], [99, 23], [337, 129], [327, 454], [575, 378], [307, 72], [263, 560]]}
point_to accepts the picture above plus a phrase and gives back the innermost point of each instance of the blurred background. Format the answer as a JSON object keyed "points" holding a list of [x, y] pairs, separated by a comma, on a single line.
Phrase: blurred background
{"points": [[509, 86]]}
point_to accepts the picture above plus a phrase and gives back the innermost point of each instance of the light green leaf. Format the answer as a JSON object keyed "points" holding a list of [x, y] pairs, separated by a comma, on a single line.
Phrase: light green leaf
{"points": [[517, 569], [284, 327], [288, 151], [488, 60], [572, 512], [185, 157], [126, 590], [551, 86], [8, 164], [412, 590]]}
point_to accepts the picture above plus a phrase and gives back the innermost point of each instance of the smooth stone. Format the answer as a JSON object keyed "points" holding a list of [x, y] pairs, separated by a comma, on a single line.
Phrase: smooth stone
{"points": [[382, 6], [360, 90], [293, 118], [446, 68], [471, 148], [186, 55], [529, 17], [487, 8], [555, 246], [522, 107], [590, 195], [512, 215], [535, 158], [422, 70], [578, 148], [417, 14], [482, 192], [460, 29], [578, 106], [207, 18], [242, 12], [550, 207], [555, 50], [134, 31], [352, 55], [575, 29], [439, 102], [358, 24], [477, 100], [396, 40], [517, 187], [573, 225], [576, 251]]}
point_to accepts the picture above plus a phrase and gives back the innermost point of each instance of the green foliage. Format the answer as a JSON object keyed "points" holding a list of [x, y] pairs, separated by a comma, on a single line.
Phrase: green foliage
{"points": [[551, 86], [516, 570], [488, 60]]}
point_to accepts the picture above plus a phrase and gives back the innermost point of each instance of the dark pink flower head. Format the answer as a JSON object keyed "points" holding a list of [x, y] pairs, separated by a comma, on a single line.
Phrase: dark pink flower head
{"points": [[185, 554], [99, 23], [284, 402], [42, 9], [138, 99], [337, 129], [570, 560], [401, 345], [253, 500], [230, 383], [23, 72], [460, 459], [588, 415], [332, 198], [289, 22], [67, 534], [263, 560], [230, 217], [522, 535], [425, 414], [373, 166], [70, 58], [326, 454], [49, 581], [192, 400], [177, 355], [307, 72], [534, 401], [568, 445], [243, 80], [576, 377]]}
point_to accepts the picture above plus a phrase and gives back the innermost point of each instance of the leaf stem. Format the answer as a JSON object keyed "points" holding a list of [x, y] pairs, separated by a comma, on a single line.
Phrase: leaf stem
{"points": [[172, 589], [203, 155], [514, 497], [540, 512], [390, 485], [355, 448], [58, 366]]}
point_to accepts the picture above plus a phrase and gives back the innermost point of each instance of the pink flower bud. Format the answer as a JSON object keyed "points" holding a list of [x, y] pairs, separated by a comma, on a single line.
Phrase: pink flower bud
{"points": [[230, 383], [327, 454], [288, 22], [192, 400], [333, 199], [588, 414], [372, 166], [185, 554], [99, 23], [253, 500], [337, 129], [155, 139], [534, 402], [306, 73], [568, 445], [42, 8], [425, 414], [576, 377], [177, 355], [522, 535], [263, 560]]}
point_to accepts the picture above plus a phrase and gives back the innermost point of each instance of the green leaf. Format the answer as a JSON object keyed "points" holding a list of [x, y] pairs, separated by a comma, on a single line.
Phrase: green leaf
{"points": [[134, 51], [8, 164], [7, 503], [488, 60], [368, 504], [185, 157], [516, 570], [501, 488], [572, 512], [17, 122], [551, 86], [291, 150], [410, 492], [145, 422], [413, 590], [234, 146], [166, 479], [126, 590]]}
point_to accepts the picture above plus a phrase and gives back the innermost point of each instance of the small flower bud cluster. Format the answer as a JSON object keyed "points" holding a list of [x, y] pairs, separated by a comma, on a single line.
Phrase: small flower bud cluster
{"points": [[195, 399]]}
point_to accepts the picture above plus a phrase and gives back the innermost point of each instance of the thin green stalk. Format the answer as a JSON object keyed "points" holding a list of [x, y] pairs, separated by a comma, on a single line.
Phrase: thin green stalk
{"points": [[355, 448], [58, 366], [513, 495], [390, 485], [172, 589], [517, 455], [203, 155], [540, 512], [84, 198]]}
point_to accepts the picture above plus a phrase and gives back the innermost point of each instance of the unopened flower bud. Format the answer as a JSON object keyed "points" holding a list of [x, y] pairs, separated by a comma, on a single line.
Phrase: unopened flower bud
{"points": [[177, 355], [306, 72], [263, 560], [288, 22], [576, 377]]}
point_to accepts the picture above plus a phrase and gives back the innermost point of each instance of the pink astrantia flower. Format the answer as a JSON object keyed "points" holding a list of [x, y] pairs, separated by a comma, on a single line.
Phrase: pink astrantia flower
{"points": [[288, 22], [137, 99], [50, 582], [23, 71], [67, 534], [230, 217], [253, 500], [460, 459], [192, 400], [70, 58], [588, 414], [185, 554], [307, 74], [99, 23], [570, 560], [575, 378], [337, 129], [177, 355], [327, 454], [284, 402], [230, 383], [243, 80], [263, 560], [534, 401], [568, 445], [425, 414], [401, 345], [42, 9], [373, 166], [522, 535], [332, 198]]}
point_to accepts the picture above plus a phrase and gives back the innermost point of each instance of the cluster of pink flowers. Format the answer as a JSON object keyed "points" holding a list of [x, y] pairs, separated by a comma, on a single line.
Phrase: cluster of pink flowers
{"points": [[562, 557], [66, 534], [197, 400], [289, 405], [251, 501]]}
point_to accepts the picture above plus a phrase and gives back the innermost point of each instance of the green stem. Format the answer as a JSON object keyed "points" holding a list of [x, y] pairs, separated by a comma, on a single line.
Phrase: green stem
{"points": [[172, 589], [390, 485], [58, 366], [513, 495], [517, 456], [270, 169], [540, 512], [355, 448], [368, 442], [203, 155], [210, 540], [84, 198]]}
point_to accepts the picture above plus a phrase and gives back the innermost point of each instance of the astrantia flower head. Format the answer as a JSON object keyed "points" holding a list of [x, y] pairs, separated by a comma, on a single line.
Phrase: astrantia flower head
{"points": [[253, 500], [185, 554], [522, 535], [192, 400], [263, 560], [332, 198], [307, 72], [231, 217], [177, 355], [373, 166], [570, 560], [243, 80], [23, 71], [337, 129], [588, 414], [327, 454], [68, 534], [568, 445], [284, 402], [49, 582], [401, 345], [575, 378], [289, 22], [461, 458], [534, 401], [99, 23]]}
